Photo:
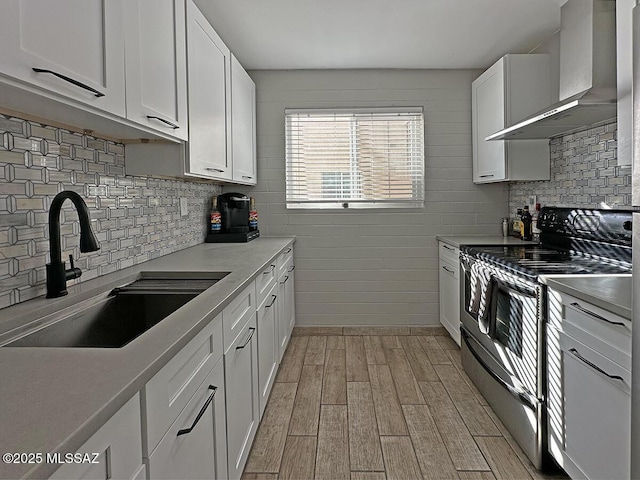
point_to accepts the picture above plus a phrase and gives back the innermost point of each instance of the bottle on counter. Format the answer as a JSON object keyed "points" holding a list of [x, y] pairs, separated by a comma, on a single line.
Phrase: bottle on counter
{"points": [[505, 227], [215, 218], [253, 215], [527, 221]]}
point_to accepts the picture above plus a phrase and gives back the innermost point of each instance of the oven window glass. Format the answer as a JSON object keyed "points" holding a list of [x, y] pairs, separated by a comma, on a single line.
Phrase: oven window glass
{"points": [[509, 315]]}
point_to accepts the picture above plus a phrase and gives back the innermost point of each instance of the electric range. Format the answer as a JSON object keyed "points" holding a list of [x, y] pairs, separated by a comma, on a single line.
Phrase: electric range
{"points": [[504, 303]]}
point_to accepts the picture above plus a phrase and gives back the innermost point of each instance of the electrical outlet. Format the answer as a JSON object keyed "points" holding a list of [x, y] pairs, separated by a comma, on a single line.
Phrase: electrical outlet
{"points": [[532, 200], [184, 207]]}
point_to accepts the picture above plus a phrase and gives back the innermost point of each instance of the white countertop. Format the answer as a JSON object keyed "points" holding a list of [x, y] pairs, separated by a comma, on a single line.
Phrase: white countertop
{"points": [[54, 399], [609, 292], [459, 240]]}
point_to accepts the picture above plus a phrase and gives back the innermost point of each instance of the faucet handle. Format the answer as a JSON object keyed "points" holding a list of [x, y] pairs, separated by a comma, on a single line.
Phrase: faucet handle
{"points": [[72, 272]]}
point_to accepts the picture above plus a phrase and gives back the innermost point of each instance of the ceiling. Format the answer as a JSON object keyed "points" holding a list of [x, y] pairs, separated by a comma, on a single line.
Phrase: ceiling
{"points": [[328, 34]]}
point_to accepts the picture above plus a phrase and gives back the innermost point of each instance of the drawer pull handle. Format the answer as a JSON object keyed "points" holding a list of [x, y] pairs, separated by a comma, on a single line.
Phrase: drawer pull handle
{"points": [[201, 412], [247, 176], [286, 277], [448, 270], [273, 300], [448, 247], [293, 267], [70, 80], [166, 122], [211, 169], [595, 315], [267, 272], [252, 330], [288, 250], [486, 176], [576, 354]]}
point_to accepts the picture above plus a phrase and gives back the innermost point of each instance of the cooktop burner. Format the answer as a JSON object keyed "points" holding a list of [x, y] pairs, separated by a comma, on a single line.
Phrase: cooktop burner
{"points": [[535, 260]]}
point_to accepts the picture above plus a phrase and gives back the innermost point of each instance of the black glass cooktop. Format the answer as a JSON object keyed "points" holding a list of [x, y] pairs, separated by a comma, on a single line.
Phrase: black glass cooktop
{"points": [[535, 260]]}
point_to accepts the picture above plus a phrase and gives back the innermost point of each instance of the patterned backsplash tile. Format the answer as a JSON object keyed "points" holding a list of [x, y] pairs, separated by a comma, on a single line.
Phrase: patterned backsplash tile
{"points": [[135, 219], [584, 173]]}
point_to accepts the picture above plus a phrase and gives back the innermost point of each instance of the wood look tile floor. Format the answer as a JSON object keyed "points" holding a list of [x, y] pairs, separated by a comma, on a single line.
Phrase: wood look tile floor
{"points": [[380, 403]]}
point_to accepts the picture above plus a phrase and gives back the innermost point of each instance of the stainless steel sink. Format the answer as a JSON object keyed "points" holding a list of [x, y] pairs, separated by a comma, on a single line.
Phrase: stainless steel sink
{"points": [[115, 319]]}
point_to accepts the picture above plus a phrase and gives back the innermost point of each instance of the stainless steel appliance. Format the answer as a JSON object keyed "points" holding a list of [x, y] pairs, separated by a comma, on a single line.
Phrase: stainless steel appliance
{"points": [[503, 310]]}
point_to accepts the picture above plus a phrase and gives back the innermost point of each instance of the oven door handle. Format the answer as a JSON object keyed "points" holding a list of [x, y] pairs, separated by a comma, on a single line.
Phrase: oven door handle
{"points": [[524, 397], [513, 287]]}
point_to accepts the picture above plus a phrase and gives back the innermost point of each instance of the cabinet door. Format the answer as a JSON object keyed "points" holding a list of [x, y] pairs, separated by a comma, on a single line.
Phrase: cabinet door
{"points": [[119, 445], [77, 46], [194, 445], [290, 300], [267, 346], [208, 71], [450, 299], [243, 410], [156, 65], [488, 107], [243, 124], [596, 413], [283, 315]]}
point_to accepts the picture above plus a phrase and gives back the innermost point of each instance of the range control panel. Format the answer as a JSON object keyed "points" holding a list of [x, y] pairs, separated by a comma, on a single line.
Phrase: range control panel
{"points": [[592, 224]]}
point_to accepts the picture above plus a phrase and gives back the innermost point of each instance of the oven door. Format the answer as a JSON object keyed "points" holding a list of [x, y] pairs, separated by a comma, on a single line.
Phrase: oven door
{"points": [[514, 325]]}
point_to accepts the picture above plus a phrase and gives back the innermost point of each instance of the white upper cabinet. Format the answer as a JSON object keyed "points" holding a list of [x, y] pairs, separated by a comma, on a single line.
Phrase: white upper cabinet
{"points": [[514, 87], [243, 124], [156, 65], [73, 48], [624, 78], [209, 77]]}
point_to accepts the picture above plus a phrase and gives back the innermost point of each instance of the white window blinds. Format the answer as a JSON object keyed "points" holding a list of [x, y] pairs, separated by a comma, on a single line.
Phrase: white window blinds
{"points": [[355, 158]]}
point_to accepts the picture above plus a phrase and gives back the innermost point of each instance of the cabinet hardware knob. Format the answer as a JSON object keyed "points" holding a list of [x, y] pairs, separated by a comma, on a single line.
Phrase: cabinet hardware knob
{"points": [[201, 412], [70, 80]]}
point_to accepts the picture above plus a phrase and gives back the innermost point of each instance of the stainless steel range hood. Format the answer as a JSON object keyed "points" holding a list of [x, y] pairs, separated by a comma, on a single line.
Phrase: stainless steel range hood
{"points": [[587, 74]]}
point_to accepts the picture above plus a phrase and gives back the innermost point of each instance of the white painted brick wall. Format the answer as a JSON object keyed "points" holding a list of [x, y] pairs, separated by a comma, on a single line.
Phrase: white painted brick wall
{"points": [[375, 267]]}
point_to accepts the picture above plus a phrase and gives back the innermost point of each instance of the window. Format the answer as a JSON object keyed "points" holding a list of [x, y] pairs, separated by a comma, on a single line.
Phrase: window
{"points": [[355, 158]]}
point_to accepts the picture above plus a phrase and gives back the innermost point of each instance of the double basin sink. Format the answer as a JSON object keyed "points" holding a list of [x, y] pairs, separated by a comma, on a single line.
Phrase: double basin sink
{"points": [[115, 318]]}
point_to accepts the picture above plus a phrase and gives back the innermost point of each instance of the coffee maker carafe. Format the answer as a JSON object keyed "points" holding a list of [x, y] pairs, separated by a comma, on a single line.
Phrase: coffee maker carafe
{"points": [[234, 216]]}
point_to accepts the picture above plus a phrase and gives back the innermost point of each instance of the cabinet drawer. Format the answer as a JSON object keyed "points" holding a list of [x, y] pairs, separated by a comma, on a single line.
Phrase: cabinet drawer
{"points": [[118, 444], [596, 412], [449, 253], [597, 328], [167, 393], [237, 313], [265, 281], [284, 261], [181, 455]]}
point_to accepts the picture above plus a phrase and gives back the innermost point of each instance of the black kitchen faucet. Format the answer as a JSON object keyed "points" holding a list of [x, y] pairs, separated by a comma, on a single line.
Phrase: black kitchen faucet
{"points": [[57, 274]]}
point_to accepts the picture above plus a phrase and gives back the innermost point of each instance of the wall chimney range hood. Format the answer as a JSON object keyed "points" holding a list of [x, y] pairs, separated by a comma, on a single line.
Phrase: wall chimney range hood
{"points": [[587, 74]]}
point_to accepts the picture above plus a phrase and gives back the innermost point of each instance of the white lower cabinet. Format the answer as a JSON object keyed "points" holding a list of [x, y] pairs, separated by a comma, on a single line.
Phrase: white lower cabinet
{"points": [[286, 299], [449, 285], [268, 360], [184, 411], [194, 447], [242, 394], [589, 391], [119, 445]]}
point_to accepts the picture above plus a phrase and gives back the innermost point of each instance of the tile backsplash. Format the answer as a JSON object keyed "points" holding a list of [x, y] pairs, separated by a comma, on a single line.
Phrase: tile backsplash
{"points": [[584, 173], [134, 218]]}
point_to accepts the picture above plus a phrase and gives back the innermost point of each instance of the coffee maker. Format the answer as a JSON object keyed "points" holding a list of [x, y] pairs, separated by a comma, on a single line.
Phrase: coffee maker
{"points": [[234, 213]]}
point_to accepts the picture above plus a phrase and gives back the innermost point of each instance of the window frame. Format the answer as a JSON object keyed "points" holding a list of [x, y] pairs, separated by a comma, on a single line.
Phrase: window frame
{"points": [[418, 197]]}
